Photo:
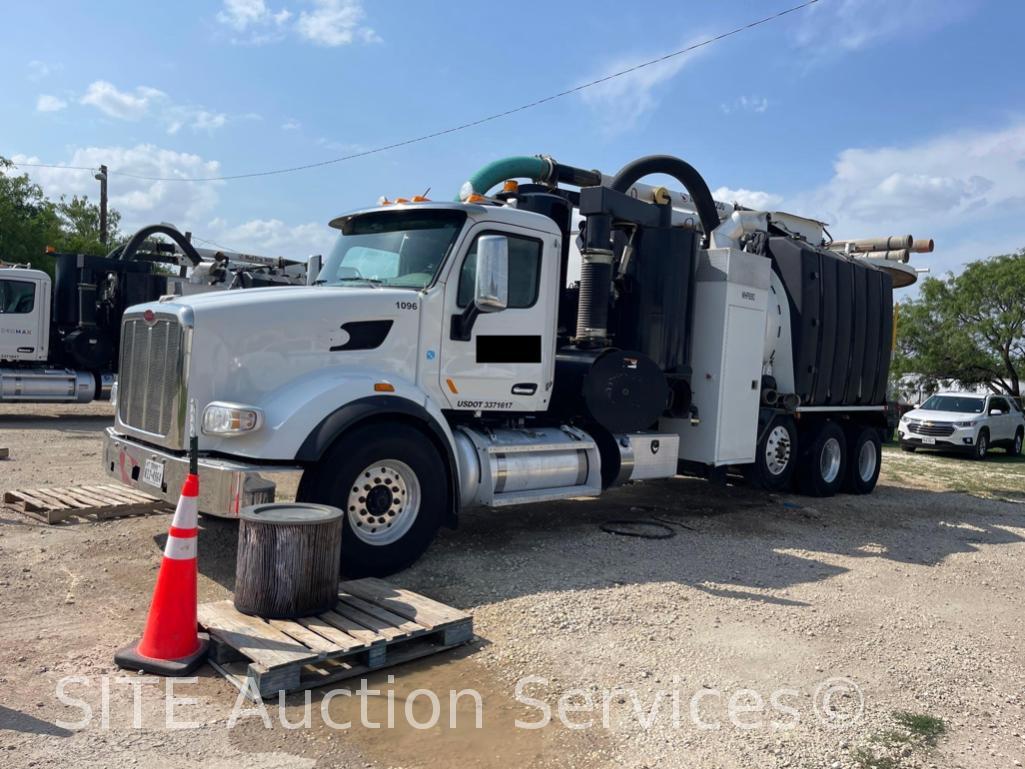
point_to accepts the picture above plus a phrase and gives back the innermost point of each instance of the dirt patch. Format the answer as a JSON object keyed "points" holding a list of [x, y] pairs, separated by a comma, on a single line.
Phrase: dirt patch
{"points": [[914, 594]]}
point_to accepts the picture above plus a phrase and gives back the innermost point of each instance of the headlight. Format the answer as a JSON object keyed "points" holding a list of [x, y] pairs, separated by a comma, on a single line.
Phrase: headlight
{"points": [[964, 424], [230, 419]]}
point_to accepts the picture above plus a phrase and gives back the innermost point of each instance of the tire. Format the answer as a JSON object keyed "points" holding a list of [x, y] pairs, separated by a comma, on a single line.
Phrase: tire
{"points": [[907, 448], [864, 460], [775, 456], [391, 518], [823, 465], [1014, 449], [981, 445]]}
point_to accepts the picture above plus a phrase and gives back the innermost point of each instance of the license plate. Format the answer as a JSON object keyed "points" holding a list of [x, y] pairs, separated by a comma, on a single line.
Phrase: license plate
{"points": [[153, 473], [926, 440]]}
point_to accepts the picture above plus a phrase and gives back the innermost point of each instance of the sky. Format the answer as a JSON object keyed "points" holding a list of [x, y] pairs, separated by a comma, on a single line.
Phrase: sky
{"points": [[878, 117]]}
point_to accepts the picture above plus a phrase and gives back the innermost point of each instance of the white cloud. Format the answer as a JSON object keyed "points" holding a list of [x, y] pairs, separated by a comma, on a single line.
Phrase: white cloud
{"points": [[196, 118], [187, 205], [242, 14], [950, 180], [125, 105], [334, 22], [622, 101], [291, 125], [851, 25], [327, 23], [48, 103], [140, 202], [272, 237], [756, 199], [757, 104], [37, 69], [144, 101]]}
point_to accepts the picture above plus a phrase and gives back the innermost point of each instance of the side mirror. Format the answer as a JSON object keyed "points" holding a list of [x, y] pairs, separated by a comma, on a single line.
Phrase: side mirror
{"points": [[491, 293], [995, 412]]}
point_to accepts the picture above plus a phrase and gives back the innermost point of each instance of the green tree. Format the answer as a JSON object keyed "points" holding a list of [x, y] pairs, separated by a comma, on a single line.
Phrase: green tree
{"points": [[80, 226], [968, 327], [29, 222]]}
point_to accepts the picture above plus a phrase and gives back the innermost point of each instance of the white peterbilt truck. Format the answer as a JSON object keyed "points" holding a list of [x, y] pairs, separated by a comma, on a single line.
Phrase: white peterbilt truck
{"points": [[445, 360]]}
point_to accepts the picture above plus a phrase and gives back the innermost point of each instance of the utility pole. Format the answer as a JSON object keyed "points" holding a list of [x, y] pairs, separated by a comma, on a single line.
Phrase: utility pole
{"points": [[101, 177]]}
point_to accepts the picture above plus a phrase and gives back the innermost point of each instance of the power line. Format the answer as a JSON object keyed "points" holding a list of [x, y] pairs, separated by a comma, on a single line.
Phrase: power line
{"points": [[453, 129]]}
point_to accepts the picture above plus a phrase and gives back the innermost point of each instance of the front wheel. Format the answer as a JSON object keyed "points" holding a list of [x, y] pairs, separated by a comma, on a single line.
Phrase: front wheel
{"points": [[824, 461], [981, 445], [390, 482], [864, 454]]}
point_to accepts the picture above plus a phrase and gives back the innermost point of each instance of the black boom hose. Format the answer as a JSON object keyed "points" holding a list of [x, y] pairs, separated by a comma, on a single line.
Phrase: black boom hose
{"points": [[683, 172], [127, 251]]}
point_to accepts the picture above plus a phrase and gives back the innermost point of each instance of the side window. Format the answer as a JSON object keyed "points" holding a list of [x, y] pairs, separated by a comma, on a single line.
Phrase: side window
{"points": [[524, 272], [17, 296], [998, 403]]}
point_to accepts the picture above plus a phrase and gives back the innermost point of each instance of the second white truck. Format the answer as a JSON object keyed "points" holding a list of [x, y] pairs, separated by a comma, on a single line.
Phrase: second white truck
{"points": [[446, 359]]}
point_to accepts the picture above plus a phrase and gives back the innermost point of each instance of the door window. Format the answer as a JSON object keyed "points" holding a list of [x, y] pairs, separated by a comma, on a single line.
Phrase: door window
{"points": [[17, 297], [999, 404], [524, 272]]}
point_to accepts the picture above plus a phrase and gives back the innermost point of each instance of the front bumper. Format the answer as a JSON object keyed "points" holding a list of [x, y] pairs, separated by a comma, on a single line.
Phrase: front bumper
{"points": [[961, 439], [225, 486], [941, 444]]}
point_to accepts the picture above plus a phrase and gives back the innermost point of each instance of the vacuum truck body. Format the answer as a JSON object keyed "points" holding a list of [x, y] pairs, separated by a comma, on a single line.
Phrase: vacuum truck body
{"points": [[447, 358]]}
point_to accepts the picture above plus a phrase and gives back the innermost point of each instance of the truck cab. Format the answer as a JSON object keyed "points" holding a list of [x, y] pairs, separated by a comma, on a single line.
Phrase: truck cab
{"points": [[426, 321], [24, 314]]}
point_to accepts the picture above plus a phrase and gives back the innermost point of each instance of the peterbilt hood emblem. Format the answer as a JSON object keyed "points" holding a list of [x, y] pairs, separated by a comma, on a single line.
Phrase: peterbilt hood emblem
{"points": [[150, 317]]}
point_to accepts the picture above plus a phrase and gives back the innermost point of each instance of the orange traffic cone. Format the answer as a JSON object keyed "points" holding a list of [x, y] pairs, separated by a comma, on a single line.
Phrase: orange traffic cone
{"points": [[170, 645]]}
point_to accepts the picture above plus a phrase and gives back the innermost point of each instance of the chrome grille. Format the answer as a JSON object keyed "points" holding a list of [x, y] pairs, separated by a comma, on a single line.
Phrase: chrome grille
{"points": [[939, 430], [150, 376]]}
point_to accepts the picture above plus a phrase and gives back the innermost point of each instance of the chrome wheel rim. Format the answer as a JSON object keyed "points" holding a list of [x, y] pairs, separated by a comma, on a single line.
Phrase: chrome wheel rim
{"points": [[383, 503], [777, 450], [867, 461], [982, 445], [1017, 444], [829, 460]]}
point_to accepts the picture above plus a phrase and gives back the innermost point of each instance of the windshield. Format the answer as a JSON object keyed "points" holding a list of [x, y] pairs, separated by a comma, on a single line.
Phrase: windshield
{"points": [[964, 404], [392, 248]]}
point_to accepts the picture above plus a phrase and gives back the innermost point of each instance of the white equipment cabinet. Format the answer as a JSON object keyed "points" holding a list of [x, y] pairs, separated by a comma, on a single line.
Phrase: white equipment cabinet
{"points": [[730, 298]]}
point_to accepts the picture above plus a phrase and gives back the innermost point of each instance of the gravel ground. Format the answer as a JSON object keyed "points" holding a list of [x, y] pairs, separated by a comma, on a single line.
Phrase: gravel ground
{"points": [[778, 605]]}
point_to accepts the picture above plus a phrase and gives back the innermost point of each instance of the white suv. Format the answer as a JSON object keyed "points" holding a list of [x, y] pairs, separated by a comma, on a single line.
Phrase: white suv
{"points": [[967, 422]]}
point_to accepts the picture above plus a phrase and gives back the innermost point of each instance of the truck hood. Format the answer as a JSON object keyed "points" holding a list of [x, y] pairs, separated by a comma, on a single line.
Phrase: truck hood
{"points": [[248, 345], [278, 296]]}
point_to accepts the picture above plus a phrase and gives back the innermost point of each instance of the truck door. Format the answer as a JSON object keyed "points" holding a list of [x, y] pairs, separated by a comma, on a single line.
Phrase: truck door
{"points": [[24, 304], [506, 360]]}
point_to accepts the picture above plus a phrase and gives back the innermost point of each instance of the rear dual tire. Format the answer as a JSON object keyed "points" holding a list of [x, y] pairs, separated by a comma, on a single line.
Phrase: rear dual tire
{"points": [[864, 453], [823, 464]]}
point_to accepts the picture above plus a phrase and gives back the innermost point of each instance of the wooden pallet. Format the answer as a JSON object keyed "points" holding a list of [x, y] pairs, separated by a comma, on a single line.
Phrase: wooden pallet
{"points": [[99, 502], [373, 625]]}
